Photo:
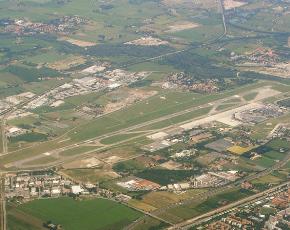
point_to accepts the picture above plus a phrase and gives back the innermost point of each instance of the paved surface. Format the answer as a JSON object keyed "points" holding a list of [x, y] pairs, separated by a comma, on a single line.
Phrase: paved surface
{"points": [[2, 205]]}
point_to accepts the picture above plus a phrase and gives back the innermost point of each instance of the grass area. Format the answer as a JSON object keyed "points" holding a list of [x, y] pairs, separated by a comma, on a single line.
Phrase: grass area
{"points": [[244, 165], [274, 155], [264, 162], [165, 177], [28, 74], [29, 137], [203, 206], [141, 205], [86, 214], [250, 96], [268, 179], [277, 144], [90, 175], [202, 33], [130, 166], [42, 160], [117, 138], [42, 86], [267, 211], [225, 106], [24, 121], [161, 199], [150, 223], [152, 66], [47, 56], [77, 151], [17, 220], [177, 119]]}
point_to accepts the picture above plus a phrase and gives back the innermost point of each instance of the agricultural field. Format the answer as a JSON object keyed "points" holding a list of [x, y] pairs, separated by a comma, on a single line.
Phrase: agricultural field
{"points": [[72, 214], [180, 213]]}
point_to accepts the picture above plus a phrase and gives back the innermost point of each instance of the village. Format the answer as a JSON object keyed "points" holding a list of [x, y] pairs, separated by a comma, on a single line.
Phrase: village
{"points": [[26, 186], [110, 80], [64, 25], [271, 212]]}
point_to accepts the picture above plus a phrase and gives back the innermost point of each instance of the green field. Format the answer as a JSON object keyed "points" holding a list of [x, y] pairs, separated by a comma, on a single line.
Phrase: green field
{"points": [[118, 138], [199, 207], [75, 215], [77, 151], [250, 96]]}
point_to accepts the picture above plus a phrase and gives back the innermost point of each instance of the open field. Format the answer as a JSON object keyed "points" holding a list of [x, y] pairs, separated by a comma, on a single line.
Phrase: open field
{"points": [[184, 212], [71, 214], [163, 199], [267, 179], [91, 175]]}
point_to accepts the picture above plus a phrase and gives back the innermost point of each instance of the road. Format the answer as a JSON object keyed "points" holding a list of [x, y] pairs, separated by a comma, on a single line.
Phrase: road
{"points": [[2, 204], [4, 137], [205, 217]]}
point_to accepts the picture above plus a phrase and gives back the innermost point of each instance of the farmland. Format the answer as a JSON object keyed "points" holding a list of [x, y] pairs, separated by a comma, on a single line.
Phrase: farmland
{"points": [[72, 214]]}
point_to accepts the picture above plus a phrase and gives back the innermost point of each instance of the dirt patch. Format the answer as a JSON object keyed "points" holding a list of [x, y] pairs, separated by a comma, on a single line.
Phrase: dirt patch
{"points": [[207, 159], [122, 100], [206, 4], [112, 159], [91, 175], [85, 163], [146, 161], [230, 4], [79, 43], [171, 165], [147, 41], [180, 26], [67, 63], [264, 93], [279, 70]]}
